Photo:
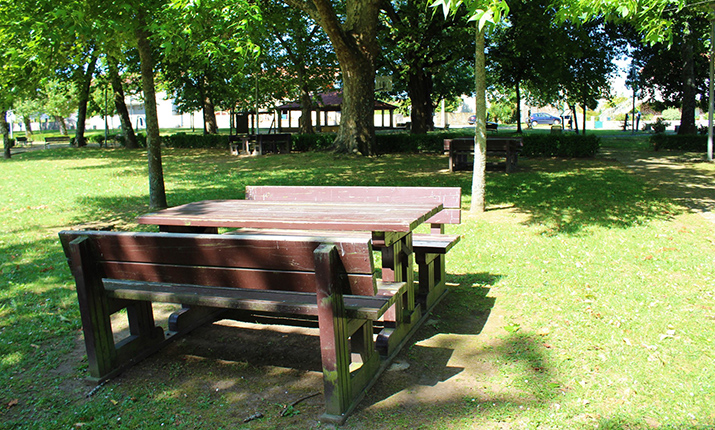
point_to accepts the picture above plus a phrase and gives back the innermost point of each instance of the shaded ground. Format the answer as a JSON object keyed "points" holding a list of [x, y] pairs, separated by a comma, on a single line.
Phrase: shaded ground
{"points": [[683, 177]]}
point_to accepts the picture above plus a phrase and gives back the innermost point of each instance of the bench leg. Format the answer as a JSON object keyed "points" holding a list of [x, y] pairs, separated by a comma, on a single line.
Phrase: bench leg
{"points": [[432, 285], [404, 314], [343, 389], [105, 358]]}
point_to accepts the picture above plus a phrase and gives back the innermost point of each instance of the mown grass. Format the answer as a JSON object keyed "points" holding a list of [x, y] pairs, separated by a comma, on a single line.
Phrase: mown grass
{"points": [[583, 298]]}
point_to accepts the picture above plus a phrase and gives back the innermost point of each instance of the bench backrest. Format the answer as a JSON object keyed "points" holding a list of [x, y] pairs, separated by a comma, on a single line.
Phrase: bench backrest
{"points": [[450, 197], [494, 143], [283, 263]]}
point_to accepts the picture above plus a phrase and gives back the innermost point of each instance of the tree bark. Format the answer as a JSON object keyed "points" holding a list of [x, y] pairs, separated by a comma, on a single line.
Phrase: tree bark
{"points": [[5, 131], [687, 116], [583, 123], [157, 193], [130, 139], [84, 83], [210, 125], [480, 138], [28, 125], [575, 117], [62, 124], [420, 88], [355, 43], [306, 105]]}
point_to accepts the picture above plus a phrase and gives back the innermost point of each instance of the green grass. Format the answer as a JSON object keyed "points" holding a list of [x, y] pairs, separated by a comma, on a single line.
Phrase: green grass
{"points": [[583, 298]]}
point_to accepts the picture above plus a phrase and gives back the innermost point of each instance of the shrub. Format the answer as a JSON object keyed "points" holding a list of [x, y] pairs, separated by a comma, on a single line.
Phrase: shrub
{"points": [[203, 141], [691, 142], [560, 145], [312, 142], [660, 125]]}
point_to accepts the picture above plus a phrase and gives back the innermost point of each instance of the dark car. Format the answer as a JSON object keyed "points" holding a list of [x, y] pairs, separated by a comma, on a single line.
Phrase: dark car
{"points": [[543, 118], [490, 125]]}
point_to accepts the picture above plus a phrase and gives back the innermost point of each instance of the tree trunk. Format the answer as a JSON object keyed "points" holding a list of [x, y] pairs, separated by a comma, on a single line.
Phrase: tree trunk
{"points": [[28, 125], [687, 116], [210, 125], [518, 108], [583, 124], [480, 138], [84, 84], [575, 117], [420, 88], [5, 131], [62, 124], [306, 105], [157, 193], [355, 43], [130, 139]]}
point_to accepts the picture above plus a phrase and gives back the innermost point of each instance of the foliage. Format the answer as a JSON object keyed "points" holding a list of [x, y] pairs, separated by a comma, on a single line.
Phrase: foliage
{"points": [[687, 142], [561, 145], [671, 114], [312, 142]]}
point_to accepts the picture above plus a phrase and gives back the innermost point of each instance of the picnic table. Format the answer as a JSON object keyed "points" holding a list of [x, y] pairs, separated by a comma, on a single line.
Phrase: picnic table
{"points": [[301, 263]]}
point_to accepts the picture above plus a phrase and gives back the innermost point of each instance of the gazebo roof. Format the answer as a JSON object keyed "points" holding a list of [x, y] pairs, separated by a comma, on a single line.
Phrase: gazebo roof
{"points": [[333, 102]]}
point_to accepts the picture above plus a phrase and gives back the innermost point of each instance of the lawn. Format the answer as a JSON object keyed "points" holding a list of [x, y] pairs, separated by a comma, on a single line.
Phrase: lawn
{"points": [[583, 298]]}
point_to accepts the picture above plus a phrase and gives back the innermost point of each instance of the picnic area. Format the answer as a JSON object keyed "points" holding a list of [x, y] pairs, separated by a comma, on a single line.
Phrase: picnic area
{"points": [[581, 298]]}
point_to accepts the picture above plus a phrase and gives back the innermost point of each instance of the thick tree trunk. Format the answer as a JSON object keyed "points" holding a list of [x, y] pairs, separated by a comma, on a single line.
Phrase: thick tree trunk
{"points": [[130, 139], [62, 124], [687, 116], [355, 43], [306, 106], [420, 88], [480, 138], [84, 83], [210, 125], [28, 125], [5, 131], [357, 123], [157, 193]]}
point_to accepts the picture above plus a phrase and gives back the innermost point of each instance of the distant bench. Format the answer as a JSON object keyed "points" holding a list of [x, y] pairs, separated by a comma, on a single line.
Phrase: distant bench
{"points": [[429, 249], [58, 139], [330, 281], [277, 143], [21, 141], [461, 148]]}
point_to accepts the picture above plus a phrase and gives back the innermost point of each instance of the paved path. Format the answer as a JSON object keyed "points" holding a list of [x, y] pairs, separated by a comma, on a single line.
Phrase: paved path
{"points": [[689, 182]]}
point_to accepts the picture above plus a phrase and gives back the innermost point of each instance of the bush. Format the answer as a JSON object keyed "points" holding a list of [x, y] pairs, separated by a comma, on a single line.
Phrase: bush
{"points": [[560, 145], [692, 142], [202, 141], [660, 125], [312, 142]]}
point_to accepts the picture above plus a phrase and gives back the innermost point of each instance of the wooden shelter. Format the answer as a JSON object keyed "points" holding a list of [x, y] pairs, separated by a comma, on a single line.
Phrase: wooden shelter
{"points": [[327, 113]]}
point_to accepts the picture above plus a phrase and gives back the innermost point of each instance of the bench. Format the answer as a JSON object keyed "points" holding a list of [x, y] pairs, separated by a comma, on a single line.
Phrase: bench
{"points": [[429, 249], [251, 277], [461, 148], [277, 143], [21, 141], [57, 139]]}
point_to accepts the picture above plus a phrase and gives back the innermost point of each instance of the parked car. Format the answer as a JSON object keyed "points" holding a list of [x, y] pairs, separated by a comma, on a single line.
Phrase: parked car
{"points": [[543, 118], [490, 125]]}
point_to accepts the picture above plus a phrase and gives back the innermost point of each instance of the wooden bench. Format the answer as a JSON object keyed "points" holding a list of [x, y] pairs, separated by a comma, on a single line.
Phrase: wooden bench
{"points": [[277, 143], [21, 140], [429, 249], [254, 277], [462, 148], [57, 139]]}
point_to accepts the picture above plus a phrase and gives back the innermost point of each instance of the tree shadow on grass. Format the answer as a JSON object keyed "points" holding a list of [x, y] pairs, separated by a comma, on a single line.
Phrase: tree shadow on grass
{"points": [[566, 198]]}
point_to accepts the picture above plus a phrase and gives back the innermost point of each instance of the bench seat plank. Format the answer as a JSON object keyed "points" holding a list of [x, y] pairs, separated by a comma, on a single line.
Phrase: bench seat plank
{"points": [[434, 243], [284, 302]]}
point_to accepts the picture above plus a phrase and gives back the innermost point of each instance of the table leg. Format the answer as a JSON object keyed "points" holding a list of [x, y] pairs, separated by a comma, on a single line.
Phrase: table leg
{"points": [[397, 266]]}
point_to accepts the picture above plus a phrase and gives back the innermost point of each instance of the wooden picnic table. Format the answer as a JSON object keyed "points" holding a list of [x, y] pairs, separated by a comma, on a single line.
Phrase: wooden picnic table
{"points": [[390, 226]]}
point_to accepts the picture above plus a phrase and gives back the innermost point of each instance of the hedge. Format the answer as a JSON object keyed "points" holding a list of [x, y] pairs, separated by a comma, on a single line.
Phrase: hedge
{"points": [[202, 141], [688, 142], [560, 145]]}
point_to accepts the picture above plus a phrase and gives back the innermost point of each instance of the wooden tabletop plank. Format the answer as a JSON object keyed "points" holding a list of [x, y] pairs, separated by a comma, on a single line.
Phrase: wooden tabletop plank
{"points": [[294, 215]]}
